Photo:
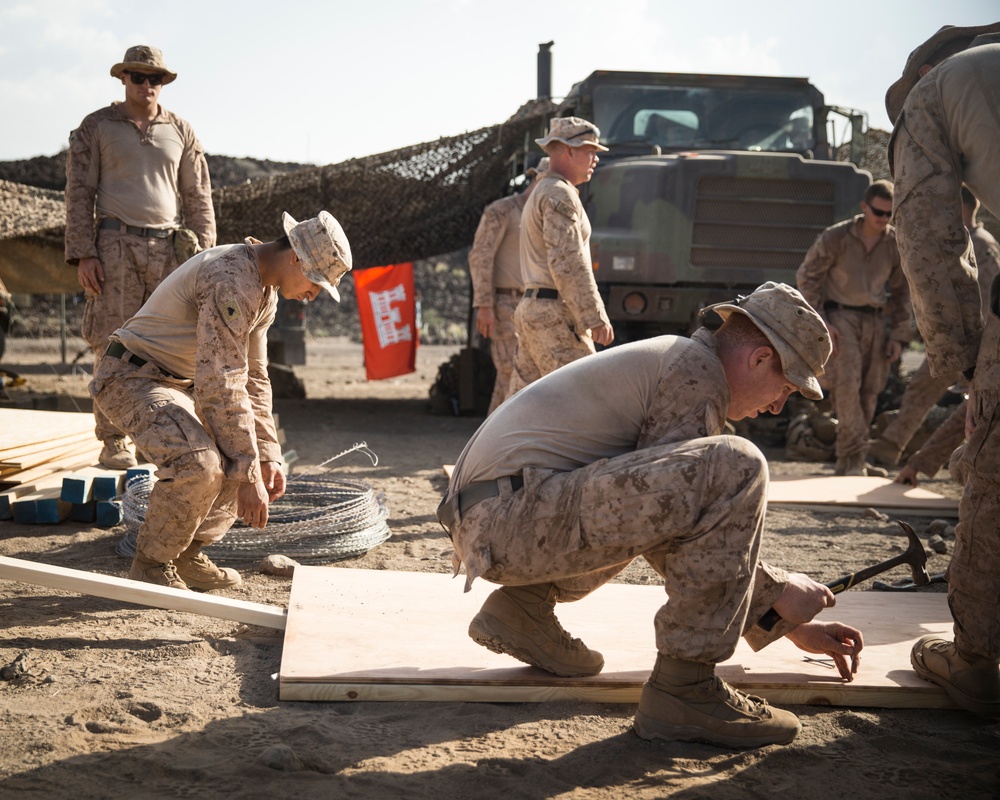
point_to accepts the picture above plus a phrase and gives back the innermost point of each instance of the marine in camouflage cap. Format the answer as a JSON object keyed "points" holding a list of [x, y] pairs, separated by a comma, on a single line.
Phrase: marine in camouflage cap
{"points": [[796, 331], [322, 246]]}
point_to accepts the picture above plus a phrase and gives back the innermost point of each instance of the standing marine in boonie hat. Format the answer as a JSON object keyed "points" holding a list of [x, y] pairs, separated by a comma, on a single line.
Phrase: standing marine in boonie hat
{"points": [[138, 204], [562, 316]]}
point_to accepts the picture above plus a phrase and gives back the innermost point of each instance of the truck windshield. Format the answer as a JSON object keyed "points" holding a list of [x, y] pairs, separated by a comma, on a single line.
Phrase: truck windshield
{"points": [[685, 118]]}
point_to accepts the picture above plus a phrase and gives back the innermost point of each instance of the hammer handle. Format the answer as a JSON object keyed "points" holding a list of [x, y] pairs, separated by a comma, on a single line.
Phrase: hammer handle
{"points": [[770, 619]]}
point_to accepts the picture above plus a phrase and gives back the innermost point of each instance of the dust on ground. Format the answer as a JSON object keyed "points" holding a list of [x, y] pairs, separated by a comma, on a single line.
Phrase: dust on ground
{"points": [[115, 700]]}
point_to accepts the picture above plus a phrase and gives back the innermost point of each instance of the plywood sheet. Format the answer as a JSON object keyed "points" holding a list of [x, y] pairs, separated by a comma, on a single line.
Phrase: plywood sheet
{"points": [[880, 493], [382, 635]]}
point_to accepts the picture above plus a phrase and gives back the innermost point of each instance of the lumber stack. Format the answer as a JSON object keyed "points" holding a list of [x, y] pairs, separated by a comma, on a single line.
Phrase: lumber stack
{"points": [[48, 470]]}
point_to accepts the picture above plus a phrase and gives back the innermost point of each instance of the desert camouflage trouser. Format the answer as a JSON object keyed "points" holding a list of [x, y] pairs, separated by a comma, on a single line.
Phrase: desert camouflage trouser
{"points": [[502, 345], [922, 393], [939, 446], [133, 267], [191, 498], [694, 510], [858, 372], [545, 341]]}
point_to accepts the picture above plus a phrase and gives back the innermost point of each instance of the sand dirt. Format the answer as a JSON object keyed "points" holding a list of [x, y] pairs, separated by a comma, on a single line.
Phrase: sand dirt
{"points": [[120, 701]]}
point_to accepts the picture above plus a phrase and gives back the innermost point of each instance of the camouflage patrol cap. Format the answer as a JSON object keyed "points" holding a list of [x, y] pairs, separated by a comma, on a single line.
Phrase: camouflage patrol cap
{"points": [[143, 58], [790, 324], [572, 131], [952, 37], [322, 246]]}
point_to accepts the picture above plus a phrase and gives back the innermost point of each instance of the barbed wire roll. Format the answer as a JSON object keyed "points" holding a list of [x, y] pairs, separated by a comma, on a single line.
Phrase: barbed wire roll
{"points": [[319, 518], [135, 503]]}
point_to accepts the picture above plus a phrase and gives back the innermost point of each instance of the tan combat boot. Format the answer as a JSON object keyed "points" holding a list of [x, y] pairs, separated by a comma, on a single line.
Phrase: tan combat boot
{"points": [[973, 683], [684, 701], [116, 454], [198, 571], [149, 570], [519, 621]]}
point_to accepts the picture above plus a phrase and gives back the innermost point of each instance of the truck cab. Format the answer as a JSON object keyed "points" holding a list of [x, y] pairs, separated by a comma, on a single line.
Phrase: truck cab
{"points": [[713, 184]]}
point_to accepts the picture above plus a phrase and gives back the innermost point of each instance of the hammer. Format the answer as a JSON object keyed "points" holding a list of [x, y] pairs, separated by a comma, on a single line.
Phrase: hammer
{"points": [[914, 555]]}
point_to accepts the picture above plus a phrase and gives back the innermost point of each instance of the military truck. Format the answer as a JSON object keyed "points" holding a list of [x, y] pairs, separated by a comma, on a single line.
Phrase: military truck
{"points": [[713, 184]]}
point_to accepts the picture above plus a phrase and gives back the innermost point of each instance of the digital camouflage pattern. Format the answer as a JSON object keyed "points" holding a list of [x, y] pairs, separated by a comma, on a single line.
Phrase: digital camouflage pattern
{"points": [[503, 346], [949, 133], [838, 268], [495, 263], [922, 393], [546, 340], [133, 268], [106, 154], [937, 449], [200, 409], [555, 254], [633, 466]]}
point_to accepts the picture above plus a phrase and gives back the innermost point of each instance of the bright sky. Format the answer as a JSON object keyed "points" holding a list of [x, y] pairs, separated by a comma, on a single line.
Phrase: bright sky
{"points": [[321, 82]]}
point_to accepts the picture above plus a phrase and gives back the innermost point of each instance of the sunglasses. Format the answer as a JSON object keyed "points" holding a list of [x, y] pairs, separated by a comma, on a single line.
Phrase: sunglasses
{"points": [[878, 212], [139, 78]]}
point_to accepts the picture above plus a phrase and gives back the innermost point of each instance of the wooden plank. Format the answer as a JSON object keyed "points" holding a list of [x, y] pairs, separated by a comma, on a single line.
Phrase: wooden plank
{"points": [[146, 594], [403, 636], [863, 492], [13, 454], [57, 453], [21, 426], [54, 472]]}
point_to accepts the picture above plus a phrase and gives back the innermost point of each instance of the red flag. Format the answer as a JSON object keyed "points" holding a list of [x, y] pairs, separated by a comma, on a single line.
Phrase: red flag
{"points": [[388, 319]]}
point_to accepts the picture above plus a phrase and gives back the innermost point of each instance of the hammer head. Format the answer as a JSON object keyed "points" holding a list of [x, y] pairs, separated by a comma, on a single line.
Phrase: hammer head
{"points": [[915, 556]]}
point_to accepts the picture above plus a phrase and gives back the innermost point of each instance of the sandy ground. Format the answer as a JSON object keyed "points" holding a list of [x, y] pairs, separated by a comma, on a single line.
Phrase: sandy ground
{"points": [[123, 701]]}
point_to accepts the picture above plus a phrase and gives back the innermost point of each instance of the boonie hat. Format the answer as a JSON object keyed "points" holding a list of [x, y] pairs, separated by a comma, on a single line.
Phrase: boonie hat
{"points": [[143, 58], [796, 331], [925, 53], [572, 131], [322, 246]]}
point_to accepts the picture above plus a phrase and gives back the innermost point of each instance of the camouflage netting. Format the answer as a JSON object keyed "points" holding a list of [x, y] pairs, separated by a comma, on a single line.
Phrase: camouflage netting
{"points": [[404, 205], [413, 203]]}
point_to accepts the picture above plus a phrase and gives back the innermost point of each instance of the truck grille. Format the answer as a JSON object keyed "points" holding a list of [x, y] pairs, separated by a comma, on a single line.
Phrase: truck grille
{"points": [[758, 223]]}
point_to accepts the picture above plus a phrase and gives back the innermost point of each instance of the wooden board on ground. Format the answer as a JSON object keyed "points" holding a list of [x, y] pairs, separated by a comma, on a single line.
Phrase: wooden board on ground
{"points": [[23, 426], [881, 493], [382, 635]]}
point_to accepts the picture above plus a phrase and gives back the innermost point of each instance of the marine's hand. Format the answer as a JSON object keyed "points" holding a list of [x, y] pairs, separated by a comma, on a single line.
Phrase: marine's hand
{"points": [[833, 639], [90, 274], [803, 599], [251, 504], [603, 335], [274, 479], [893, 350], [485, 320], [907, 476]]}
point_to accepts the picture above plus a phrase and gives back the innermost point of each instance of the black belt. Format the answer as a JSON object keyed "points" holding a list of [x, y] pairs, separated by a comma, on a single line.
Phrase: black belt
{"points": [[511, 292], [109, 224], [832, 306], [542, 294], [470, 495], [118, 350]]}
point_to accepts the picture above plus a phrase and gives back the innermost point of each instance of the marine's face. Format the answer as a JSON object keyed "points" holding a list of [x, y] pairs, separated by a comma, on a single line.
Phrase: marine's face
{"points": [[143, 93], [763, 387], [878, 212]]}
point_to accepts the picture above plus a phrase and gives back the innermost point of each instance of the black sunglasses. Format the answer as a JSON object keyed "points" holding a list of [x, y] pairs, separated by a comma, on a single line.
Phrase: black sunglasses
{"points": [[878, 212], [139, 78]]}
